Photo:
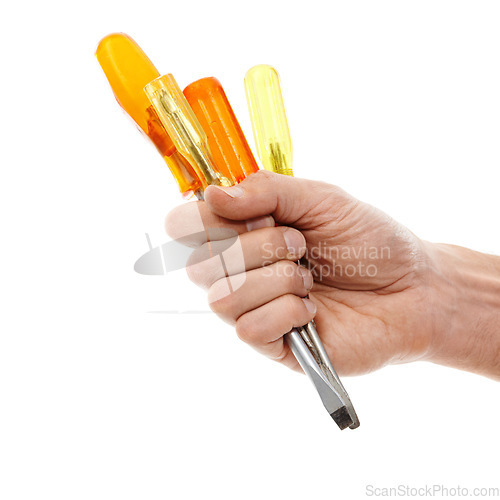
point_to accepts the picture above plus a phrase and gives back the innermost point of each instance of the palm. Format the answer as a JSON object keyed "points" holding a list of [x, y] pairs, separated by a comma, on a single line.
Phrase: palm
{"points": [[366, 267]]}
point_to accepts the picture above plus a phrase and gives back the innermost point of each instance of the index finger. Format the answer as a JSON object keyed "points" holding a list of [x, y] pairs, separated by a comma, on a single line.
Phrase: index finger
{"points": [[194, 224]]}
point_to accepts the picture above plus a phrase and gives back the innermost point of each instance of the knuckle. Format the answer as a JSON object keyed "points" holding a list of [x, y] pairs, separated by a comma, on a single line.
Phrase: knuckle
{"points": [[245, 330], [288, 271], [199, 268], [264, 174], [221, 300], [291, 305], [196, 275], [260, 177], [269, 243], [172, 222], [184, 223]]}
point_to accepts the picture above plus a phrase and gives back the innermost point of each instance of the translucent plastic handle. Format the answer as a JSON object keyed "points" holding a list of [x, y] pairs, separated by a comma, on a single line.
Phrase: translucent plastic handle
{"points": [[128, 69], [269, 123], [183, 127], [229, 147]]}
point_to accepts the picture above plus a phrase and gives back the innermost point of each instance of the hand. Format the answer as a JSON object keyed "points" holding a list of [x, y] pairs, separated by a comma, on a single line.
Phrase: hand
{"points": [[373, 285]]}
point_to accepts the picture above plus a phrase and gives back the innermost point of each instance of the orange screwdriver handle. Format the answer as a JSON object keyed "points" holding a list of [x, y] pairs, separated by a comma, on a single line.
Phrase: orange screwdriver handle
{"points": [[128, 69], [230, 150]]}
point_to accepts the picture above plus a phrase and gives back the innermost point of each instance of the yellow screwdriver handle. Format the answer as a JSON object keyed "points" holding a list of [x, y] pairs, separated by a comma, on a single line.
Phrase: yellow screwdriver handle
{"points": [[268, 116]]}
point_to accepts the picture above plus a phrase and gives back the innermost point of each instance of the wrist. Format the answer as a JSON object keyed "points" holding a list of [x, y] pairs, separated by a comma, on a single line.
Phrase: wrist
{"points": [[465, 298]]}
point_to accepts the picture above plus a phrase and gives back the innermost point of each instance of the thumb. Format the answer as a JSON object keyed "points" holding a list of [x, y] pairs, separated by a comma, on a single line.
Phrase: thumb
{"points": [[291, 201]]}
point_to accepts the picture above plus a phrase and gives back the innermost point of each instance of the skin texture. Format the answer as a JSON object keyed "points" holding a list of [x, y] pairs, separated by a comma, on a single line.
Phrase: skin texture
{"points": [[379, 294]]}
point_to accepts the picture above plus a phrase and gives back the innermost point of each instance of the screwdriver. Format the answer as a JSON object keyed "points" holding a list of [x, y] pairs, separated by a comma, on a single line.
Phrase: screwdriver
{"points": [[183, 127], [185, 130], [226, 140], [186, 147], [128, 70], [274, 147], [208, 100]]}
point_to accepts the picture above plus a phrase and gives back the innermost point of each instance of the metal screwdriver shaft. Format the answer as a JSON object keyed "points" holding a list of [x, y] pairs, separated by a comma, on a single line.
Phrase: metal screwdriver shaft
{"points": [[274, 146]]}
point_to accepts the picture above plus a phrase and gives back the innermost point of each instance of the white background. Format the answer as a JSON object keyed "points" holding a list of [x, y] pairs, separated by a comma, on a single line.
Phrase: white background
{"points": [[397, 102]]}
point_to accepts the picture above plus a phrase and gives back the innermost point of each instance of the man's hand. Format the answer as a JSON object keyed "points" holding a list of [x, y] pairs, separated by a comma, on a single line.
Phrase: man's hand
{"points": [[378, 294]]}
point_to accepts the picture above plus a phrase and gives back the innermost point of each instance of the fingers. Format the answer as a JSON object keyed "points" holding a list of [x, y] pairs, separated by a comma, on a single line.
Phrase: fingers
{"points": [[289, 200], [232, 297], [218, 259], [263, 328], [194, 224]]}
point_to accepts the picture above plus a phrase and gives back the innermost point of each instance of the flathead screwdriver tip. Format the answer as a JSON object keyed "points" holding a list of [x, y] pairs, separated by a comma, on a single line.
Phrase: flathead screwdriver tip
{"points": [[342, 418]]}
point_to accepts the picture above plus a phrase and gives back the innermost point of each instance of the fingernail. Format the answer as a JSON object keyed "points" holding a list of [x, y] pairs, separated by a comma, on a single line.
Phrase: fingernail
{"points": [[294, 242], [260, 222], [233, 191], [306, 277], [311, 306]]}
